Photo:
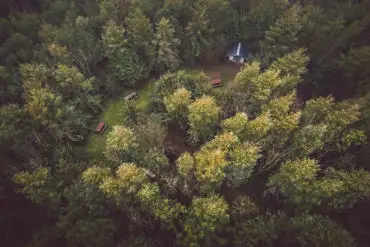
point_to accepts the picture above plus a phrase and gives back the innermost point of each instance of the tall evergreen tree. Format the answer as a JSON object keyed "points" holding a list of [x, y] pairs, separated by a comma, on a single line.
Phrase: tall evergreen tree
{"points": [[283, 36], [140, 36], [167, 57]]}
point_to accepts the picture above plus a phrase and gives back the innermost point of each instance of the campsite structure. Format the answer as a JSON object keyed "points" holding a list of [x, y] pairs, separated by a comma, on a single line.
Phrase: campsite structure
{"points": [[237, 54]]}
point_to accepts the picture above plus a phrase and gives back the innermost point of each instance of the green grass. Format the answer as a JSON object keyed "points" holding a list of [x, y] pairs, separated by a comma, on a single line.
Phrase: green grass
{"points": [[96, 142], [144, 96], [110, 116], [227, 71]]}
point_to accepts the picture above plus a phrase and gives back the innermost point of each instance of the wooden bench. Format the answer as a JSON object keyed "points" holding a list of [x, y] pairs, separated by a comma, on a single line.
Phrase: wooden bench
{"points": [[216, 83], [131, 96], [215, 79], [101, 127]]}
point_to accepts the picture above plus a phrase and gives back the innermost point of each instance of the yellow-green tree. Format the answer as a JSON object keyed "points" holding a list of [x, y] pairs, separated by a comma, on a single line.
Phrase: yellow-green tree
{"points": [[177, 104], [121, 144], [204, 216], [203, 118]]}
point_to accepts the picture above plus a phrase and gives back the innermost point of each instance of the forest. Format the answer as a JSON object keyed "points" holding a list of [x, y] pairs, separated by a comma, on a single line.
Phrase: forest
{"points": [[276, 156]]}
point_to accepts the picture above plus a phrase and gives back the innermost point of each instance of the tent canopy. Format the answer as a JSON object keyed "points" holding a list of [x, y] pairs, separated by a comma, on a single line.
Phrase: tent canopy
{"points": [[238, 50]]}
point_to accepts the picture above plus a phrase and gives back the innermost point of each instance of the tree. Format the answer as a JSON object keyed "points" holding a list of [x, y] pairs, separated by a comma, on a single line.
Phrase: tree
{"points": [[303, 230], [189, 169], [203, 218], [199, 32], [95, 232], [167, 57], [256, 86], [16, 50], [115, 10], [279, 107], [166, 210], [185, 164], [170, 82], [254, 19], [140, 36], [44, 106], [38, 187], [209, 20], [352, 68], [125, 185], [121, 144], [243, 160], [125, 63], [177, 104], [242, 208], [10, 88], [282, 36], [203, 118], [298, 181], [292, 67], [95, 175]]}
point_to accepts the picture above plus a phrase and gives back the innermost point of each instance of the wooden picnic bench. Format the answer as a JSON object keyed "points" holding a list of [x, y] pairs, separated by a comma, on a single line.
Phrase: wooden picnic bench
{"points": [[131, 96], [215, 79], [101, 127]]}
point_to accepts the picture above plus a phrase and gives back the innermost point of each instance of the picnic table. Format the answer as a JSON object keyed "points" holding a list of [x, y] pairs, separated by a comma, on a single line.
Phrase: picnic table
{"points": [[215, 79], [130, 96], [100, 127]]}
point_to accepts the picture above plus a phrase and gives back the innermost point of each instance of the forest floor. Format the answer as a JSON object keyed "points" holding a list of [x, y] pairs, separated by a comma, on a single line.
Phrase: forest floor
{"points": [[110, 116]]}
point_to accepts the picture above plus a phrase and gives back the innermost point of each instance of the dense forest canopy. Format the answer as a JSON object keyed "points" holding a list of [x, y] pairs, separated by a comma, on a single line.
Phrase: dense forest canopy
{"points": [[276, 157]]}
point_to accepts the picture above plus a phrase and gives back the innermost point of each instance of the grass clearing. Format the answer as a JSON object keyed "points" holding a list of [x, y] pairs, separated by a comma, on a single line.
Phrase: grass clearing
{"points": [[144, 96], [110, 116], [227, 71], [96, 142]]}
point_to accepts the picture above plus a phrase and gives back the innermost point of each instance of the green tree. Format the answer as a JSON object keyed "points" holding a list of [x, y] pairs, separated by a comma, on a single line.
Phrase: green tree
{"points": [[140, 36], [185, 164], [167, 55], [243, 159], [298, 181], [166, 210], [38, 186], [352, 66], [292, 67], [124, 186], [200, 33], [95, 175], [205, 215], [127, 66], [282, 36], [203, 118], [302, 230], [115, 10], [170, 82], [254, 19], [95, 232], [242, 208], [121, 144], [177, 104]]}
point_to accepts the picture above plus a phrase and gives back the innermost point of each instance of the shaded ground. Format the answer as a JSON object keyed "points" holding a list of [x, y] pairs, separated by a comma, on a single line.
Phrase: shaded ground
{"points": [[176, 143]]}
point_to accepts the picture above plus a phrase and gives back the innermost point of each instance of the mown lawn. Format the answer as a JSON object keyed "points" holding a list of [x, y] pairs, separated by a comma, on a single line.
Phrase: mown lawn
{"points": [[110, 116], [96, 142]]}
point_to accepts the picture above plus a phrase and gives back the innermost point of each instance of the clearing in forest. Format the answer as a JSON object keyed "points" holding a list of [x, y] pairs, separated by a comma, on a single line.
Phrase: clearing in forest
{"points": [[110, 115]]}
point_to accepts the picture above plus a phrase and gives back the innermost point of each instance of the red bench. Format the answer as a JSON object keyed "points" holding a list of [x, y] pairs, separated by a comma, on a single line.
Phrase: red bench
{"points": [[216, 83], [100, 128]]}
